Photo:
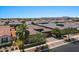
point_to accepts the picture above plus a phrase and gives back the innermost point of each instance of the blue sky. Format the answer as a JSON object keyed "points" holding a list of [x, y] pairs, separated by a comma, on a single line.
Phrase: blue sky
{"points": [[38, 11]]}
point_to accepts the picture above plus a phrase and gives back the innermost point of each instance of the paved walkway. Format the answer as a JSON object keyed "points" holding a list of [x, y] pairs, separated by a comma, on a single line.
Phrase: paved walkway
{"points": [[50, 45], [75, 36]]}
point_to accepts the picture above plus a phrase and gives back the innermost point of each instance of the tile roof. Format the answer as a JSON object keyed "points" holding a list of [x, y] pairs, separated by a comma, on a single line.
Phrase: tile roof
{"points": [[5, 30], [32, 28]]}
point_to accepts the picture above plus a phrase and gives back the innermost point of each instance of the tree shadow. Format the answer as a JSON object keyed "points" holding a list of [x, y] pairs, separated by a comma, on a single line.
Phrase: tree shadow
{"points": [[43, 48]]}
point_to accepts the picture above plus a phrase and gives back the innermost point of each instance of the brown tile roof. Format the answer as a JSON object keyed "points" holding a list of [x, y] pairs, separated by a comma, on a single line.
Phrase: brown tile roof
{"points": [[40, 21], [5, 30], [32, 28]]}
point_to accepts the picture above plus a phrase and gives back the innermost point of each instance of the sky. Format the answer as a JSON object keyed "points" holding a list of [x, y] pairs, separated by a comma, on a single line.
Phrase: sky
{"points": [[38, 11]]}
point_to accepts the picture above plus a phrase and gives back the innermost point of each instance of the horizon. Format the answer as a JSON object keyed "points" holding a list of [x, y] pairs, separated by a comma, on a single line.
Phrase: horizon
{"points": [[45, 17], [38, 11]]}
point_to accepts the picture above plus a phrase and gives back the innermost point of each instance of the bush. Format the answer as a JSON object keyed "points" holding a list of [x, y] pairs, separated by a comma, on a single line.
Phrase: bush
{"points": [[39, 37], [34, 44]]}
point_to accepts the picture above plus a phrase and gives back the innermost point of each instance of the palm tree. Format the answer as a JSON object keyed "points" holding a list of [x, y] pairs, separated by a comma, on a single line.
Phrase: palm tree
{"points": [[22, 35]]}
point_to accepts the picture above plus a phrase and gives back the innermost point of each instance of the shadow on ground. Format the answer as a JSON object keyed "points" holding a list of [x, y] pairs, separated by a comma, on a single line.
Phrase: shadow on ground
{"points": [[42, 49]]}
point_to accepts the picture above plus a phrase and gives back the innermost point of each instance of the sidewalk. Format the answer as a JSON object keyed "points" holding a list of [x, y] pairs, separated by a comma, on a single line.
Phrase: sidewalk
{"points": [[50, 45]]}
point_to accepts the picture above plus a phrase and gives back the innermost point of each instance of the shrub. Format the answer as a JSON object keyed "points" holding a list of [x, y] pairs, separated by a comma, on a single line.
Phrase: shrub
{"points": [[34, 44]]}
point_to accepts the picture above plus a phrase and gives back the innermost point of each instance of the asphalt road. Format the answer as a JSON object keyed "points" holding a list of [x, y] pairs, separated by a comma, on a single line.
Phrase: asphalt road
{"points": [[70, 47]]}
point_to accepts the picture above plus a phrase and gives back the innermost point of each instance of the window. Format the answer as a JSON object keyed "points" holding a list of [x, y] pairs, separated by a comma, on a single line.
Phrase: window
{"points": [[4, 40]]}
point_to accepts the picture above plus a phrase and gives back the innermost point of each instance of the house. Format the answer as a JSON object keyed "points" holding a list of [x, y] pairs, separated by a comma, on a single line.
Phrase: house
{"points": [[5, 36], [13, 32], [33, 29]]}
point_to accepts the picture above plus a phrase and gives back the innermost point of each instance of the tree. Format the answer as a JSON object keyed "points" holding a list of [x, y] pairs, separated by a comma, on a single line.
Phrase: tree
{"points": [[22, 35], [7, 22], [39, 37], [69, 31], [57, 32]]}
